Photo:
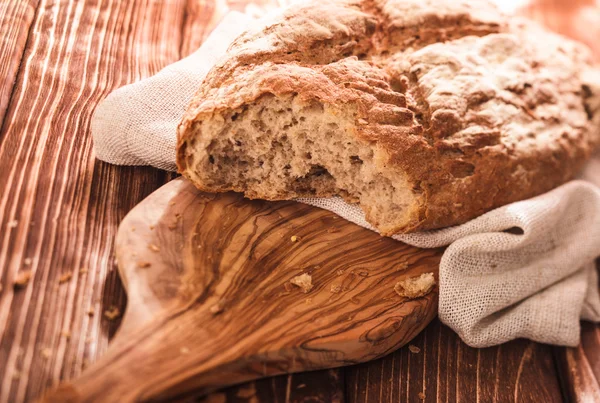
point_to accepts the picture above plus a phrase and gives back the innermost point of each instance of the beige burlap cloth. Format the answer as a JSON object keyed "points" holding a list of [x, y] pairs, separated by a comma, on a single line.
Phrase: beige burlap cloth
{"points": [[496, 285]]}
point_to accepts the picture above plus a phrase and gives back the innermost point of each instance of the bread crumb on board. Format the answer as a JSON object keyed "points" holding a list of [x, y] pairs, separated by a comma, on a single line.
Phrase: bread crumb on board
{"points": [[414, 349], [421, 395], [22, 279], [335, 288], [216, 308], [304, 281], [415, 287], [294, 238], [402, 266]]}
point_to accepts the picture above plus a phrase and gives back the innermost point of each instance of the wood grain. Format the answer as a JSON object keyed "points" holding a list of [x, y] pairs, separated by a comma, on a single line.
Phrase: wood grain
{"points": [[325, 386], [212, 304], [58, 59], [443, 369], [16, 18], [61, 210]]}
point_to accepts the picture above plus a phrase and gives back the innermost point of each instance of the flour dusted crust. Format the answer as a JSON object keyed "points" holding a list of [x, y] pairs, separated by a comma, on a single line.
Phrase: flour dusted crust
{"points": [[451, 105]]}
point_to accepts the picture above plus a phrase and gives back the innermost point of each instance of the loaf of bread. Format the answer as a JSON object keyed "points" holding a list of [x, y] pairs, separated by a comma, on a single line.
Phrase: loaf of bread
{"points": [[427, 113]]}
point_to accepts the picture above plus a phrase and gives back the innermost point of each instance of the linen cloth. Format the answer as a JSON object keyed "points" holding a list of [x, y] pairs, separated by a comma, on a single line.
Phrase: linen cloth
{"points": [[523, 270]]}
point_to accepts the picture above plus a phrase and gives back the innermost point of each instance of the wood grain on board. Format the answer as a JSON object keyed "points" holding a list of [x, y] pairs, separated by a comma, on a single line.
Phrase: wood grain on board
{"points": [[212, 300], [60, 208], [16, 18]]}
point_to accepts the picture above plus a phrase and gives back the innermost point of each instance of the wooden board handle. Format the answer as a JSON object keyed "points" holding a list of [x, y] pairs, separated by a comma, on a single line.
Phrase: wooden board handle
{"points": [[161, 361], [173, 355]]}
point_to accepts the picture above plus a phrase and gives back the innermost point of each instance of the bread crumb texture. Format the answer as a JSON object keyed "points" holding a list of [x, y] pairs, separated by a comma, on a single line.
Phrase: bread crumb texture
{"points": [[22, 279], [112, 313], [414, 349], [425, 113], [415, 287], [66, 277], [304, 281]]}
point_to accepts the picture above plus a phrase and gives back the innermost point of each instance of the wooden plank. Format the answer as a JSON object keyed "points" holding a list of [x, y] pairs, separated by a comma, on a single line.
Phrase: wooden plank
{"points": [[579, 367], [61, 208], [443, 369], [16, 17], [325, 386]]}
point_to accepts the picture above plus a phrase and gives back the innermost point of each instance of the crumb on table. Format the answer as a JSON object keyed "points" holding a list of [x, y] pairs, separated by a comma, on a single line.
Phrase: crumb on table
{"points": [[414, 349], [143, 264], [22, 279], [112, 313], [65, 277], [46, 353]]}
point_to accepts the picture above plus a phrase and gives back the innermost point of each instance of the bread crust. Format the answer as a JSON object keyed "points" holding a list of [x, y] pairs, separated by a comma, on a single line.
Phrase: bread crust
{"points": [[475, 109]]}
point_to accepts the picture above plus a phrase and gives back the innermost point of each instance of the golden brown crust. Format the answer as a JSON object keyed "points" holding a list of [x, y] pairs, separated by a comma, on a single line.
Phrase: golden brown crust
{"points": [[478, 111]]}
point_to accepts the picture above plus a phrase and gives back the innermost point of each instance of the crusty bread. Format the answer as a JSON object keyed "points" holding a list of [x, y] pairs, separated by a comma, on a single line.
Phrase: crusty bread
{"points": [[427, 113]]}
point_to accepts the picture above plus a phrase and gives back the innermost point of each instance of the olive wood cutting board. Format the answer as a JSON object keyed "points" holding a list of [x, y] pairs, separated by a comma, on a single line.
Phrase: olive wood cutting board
{"points": [[210, 302]]}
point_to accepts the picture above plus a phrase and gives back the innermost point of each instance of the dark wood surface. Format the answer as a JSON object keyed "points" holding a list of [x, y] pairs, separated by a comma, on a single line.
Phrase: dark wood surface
{"points": [[60, 208]]}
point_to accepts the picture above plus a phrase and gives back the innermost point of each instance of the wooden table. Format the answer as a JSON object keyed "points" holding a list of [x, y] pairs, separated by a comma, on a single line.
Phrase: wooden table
{"points": [[60, 208]]}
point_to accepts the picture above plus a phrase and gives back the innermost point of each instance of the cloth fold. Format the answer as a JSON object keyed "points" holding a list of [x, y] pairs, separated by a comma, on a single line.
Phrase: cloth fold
{"points": [[523, 270]]}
